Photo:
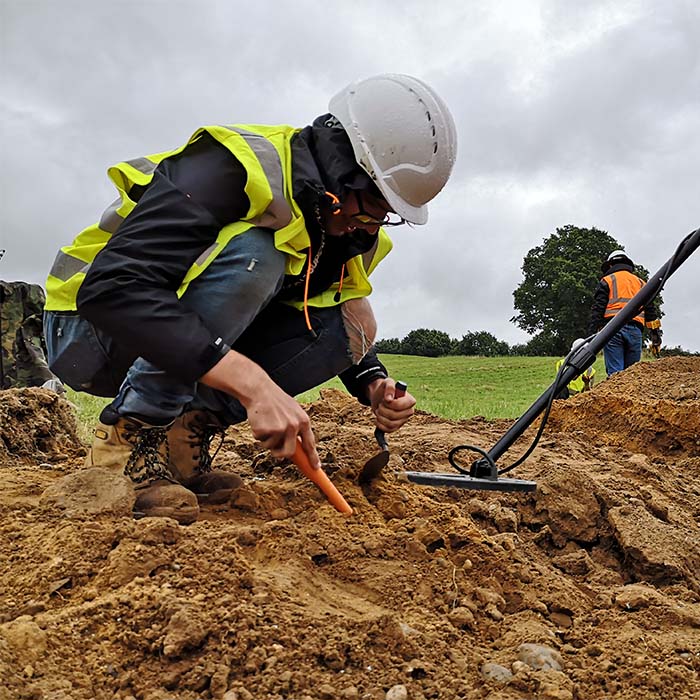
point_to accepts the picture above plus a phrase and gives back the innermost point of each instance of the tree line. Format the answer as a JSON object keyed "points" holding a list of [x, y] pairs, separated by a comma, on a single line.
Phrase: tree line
{"points": [[433, 343], [553, 302], [427, 342]]}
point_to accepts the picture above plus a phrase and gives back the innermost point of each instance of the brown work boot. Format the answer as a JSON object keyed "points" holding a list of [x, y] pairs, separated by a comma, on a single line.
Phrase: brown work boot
{"points": [[189, 441], [139, 451]]}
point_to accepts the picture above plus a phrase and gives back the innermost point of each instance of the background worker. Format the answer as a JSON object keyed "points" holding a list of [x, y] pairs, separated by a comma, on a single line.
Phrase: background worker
{"points": [[22, 349], [231, 274], [582, 383], [617, 286]]}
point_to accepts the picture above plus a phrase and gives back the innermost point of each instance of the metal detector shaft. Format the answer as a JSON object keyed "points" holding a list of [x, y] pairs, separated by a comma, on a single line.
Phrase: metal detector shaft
{"points": [[585, 355]]}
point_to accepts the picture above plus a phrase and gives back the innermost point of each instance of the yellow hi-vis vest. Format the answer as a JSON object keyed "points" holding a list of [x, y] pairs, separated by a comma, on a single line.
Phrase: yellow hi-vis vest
{"points": [[576, 386], [265, 153], [623, 286]]}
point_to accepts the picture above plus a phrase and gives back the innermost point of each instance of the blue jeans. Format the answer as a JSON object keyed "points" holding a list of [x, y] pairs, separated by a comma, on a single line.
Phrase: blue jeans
{"points": [[235, 297], [623, 349]]}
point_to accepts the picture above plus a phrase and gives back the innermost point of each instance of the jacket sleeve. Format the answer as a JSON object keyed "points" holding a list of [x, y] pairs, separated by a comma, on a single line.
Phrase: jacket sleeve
{"points": [[651, 316], [600, 303], [358, 377], [130, 289]]}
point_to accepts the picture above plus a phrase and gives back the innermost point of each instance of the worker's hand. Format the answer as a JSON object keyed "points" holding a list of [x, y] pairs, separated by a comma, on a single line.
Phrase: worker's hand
{"points": [[655, 335], [390, 413], [275, 417]]}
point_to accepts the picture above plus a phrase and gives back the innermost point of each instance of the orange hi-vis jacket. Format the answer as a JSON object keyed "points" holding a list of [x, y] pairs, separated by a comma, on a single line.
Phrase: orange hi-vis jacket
{"points": [[623, 286]]}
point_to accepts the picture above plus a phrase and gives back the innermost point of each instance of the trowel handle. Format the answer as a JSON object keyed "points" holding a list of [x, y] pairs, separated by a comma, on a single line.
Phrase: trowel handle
{"points": [[379, 436]]}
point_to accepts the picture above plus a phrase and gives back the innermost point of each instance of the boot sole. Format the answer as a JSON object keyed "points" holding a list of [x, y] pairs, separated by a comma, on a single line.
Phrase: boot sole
{"points": [[184, 516], [215, 497]]}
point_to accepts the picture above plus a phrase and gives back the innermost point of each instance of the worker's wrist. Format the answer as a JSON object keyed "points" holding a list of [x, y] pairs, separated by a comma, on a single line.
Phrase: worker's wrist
{"points": [[372, 387]]}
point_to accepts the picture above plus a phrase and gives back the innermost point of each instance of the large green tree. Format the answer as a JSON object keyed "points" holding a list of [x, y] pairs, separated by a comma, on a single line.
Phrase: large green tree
{"points": [[554, 299]]}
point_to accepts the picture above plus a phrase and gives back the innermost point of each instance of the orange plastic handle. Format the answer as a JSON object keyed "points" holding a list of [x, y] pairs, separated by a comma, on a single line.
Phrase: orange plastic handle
{"points": [[320, 478]]}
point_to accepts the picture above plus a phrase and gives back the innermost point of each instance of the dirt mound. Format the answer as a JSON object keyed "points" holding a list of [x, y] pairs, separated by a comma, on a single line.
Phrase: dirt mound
{"points": [[37, 424], [653, 407], [588, 588]]}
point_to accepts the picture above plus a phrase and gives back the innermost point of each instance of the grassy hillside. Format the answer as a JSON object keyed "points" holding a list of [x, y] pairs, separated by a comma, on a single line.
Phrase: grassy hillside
{"points": [[461, 387], [451, 387]]}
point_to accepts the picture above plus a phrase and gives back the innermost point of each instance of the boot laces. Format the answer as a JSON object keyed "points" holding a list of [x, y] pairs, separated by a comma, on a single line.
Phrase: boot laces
{"points": [[204, 434], [145, 462]]}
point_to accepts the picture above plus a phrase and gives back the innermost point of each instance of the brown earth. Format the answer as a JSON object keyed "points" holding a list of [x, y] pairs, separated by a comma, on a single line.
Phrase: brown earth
{"points": [[422, 593]]}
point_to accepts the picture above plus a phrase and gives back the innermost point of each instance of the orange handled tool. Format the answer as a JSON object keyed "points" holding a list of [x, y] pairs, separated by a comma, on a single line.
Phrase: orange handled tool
{"points": [[320, 478]]}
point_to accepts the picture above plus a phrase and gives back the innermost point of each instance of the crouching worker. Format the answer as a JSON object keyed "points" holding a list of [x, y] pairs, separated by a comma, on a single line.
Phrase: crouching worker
{"points": [[231, 274], [584, 382]]}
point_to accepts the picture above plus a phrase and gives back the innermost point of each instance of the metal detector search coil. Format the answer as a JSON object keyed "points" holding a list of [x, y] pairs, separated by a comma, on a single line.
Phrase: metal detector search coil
{"points": [[462, 481], [483, 474]]}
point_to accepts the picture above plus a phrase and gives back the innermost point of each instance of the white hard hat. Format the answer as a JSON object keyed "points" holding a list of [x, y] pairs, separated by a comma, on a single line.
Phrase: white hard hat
{"points": [[617, 256], [403, 136]]}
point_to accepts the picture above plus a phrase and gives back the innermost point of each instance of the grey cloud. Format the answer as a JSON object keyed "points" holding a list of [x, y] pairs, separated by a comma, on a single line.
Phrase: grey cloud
{"points": [[580, 113]]}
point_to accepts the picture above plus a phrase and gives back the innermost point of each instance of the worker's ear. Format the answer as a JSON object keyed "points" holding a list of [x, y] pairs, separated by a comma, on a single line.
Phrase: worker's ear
{"points": [[335, 203]]}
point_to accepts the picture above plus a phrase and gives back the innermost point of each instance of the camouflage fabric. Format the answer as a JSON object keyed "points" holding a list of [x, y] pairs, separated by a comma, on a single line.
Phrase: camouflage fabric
{"points": [[23, 356]]}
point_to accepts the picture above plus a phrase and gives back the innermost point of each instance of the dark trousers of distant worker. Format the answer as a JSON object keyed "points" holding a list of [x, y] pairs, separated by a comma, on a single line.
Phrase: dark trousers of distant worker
{"points": [[623, 349], [234, 304]]}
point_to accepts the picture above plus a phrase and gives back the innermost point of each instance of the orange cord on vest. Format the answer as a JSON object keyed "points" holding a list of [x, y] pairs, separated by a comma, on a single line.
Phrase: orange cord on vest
{"points": [[335, 203], [306, 292], [335, 208], [336, 296]]}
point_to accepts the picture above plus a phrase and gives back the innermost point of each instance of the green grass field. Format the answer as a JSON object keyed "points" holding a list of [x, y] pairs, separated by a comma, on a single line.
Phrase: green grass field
{"points": [[462, 387], [451, 387]]}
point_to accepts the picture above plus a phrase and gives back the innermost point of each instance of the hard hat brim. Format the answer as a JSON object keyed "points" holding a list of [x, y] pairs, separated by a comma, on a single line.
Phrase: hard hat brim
{"points": [[414, 215]]}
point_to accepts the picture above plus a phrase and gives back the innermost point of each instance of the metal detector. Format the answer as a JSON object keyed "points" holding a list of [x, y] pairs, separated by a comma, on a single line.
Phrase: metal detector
{"points": [[483, 473]]}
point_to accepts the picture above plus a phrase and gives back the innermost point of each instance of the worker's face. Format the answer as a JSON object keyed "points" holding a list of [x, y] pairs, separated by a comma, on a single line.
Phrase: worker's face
{"points": [[359, 210]]}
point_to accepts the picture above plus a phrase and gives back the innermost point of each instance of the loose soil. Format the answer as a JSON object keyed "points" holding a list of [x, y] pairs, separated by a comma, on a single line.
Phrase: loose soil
{"points": [[587, 588]]}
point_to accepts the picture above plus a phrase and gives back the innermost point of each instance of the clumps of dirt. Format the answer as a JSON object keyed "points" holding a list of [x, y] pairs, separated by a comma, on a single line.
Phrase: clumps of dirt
{"points": [[587, 588], [651, 407], [38, 424]]}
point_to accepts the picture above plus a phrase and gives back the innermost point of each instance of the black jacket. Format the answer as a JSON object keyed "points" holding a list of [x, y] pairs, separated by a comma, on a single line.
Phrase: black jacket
{"points": [[601, 296], [130, 289]]}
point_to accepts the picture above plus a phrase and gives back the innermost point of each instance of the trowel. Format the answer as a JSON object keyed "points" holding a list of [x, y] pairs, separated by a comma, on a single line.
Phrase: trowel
{"points": [[374, 466]]}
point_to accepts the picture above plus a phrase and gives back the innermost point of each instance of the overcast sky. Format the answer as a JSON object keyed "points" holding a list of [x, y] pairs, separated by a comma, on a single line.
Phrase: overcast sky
{"points": [[583, 113]]}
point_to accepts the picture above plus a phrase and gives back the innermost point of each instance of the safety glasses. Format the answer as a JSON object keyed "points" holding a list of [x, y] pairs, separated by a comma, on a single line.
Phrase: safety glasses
{"points": [[364, 217]]}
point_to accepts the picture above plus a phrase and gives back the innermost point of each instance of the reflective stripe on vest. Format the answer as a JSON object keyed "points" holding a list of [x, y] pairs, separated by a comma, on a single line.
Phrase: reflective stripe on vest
{"points": [[278, 213], [265, 153], [623, 286], [65, 266]]}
